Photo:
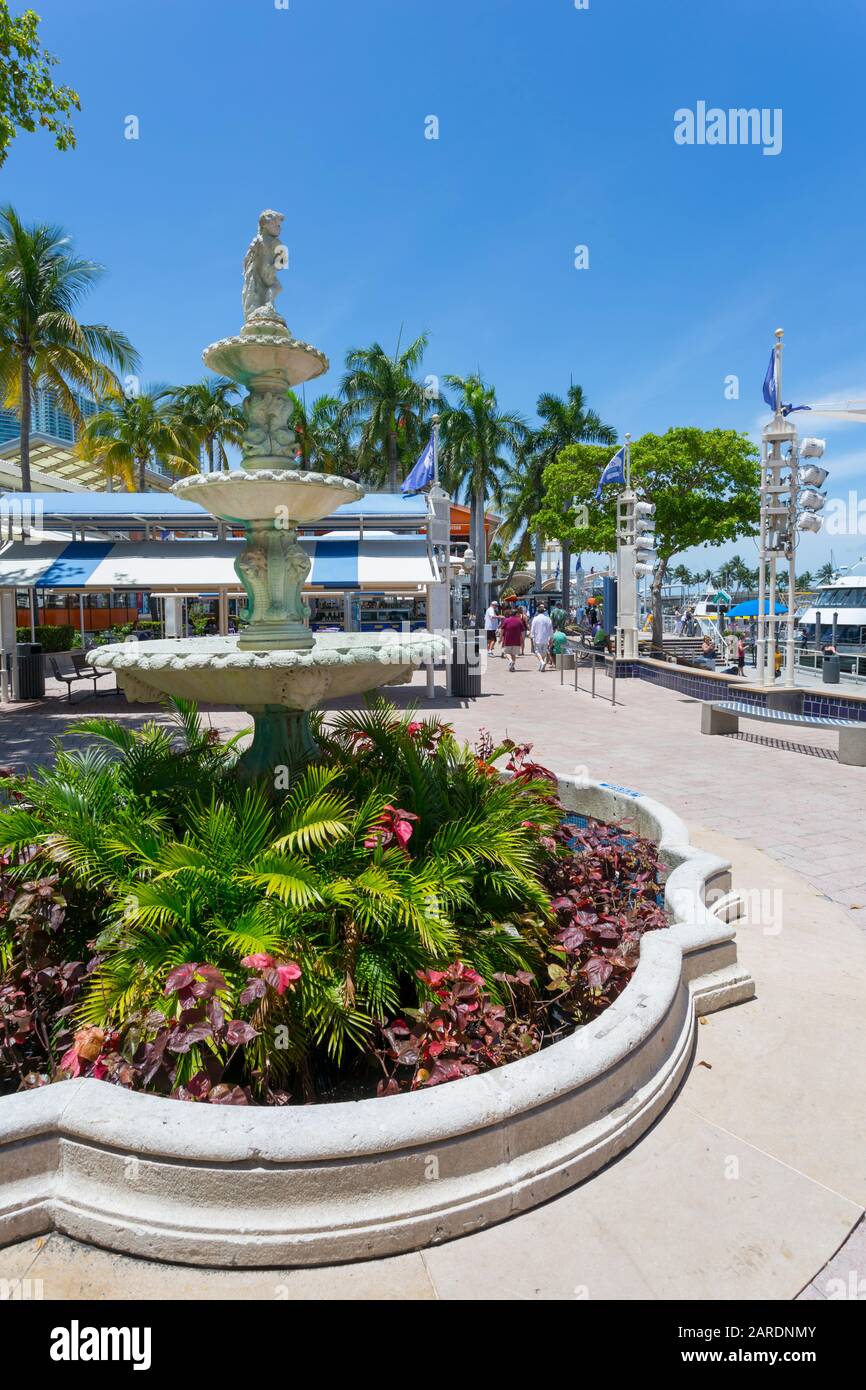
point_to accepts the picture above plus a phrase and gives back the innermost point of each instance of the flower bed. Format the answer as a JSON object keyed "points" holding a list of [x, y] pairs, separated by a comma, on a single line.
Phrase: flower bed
{"points": [[206, 942]]}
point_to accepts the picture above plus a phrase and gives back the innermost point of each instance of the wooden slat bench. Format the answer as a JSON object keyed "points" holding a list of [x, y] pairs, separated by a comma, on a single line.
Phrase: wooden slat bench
{"points": [[723, 716]]}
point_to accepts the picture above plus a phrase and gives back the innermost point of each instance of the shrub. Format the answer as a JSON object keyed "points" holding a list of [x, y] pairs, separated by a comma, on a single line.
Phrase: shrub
{"points": [[53, 639]]}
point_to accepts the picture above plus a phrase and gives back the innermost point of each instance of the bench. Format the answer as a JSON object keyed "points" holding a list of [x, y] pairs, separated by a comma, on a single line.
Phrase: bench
{"points": [[723, 716], [72, 670]]}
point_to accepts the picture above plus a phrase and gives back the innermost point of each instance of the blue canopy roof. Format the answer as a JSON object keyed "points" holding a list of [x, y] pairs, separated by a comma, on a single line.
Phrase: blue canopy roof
{"points": [[749, 609]]}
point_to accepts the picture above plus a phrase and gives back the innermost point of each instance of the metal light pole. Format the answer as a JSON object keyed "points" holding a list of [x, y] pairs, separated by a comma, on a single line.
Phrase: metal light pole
{"points": [[626, 584], [778, 528]]}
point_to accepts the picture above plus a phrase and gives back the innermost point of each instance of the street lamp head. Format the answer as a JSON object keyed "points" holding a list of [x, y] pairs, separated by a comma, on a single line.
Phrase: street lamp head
{"points": [[813, 448], [813, 475], [812, 501]]}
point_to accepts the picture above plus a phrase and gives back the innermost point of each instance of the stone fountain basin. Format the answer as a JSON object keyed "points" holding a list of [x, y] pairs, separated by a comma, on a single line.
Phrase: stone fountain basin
{"points": [[268, 494], [213, 670], [308, 1185], [265, 350]]}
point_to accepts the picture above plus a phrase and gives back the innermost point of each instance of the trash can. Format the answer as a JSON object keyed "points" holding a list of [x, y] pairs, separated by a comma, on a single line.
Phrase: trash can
{"points": [[466, 663], [830, 670], [31, 672]]}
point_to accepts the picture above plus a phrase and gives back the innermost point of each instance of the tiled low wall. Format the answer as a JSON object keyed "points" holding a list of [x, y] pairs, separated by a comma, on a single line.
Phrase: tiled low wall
{"points": [[820, 702]]}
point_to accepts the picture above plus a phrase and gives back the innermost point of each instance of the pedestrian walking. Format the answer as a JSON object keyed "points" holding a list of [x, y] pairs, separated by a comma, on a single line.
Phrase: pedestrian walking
{"points": [[512, 631], [492, 619], [541, 634]]}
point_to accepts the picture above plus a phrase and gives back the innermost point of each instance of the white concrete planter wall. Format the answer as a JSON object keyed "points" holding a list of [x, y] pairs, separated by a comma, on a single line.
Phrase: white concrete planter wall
{"points": [[314, 1185]]}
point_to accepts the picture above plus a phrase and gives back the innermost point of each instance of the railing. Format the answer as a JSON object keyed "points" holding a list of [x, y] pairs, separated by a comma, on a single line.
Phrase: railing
{"points": [[852, 664], [582, 656]]}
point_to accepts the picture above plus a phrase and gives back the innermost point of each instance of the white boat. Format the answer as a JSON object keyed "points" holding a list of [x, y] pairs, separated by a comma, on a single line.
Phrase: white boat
{"points": [[844, 599]]}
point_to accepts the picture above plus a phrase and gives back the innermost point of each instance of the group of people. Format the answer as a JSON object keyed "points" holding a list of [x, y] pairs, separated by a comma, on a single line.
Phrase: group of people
{"points": [[510, 625], [685, 624]]}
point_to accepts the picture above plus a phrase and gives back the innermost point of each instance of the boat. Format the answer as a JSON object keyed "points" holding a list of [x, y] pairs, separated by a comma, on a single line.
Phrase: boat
{"points": [[842, 606]]}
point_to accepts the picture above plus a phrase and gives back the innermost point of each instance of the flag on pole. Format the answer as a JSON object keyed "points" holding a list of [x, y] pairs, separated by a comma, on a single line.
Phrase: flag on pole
{"points": [[770, 382], [613, 472], [770, 389], [423, 473]]}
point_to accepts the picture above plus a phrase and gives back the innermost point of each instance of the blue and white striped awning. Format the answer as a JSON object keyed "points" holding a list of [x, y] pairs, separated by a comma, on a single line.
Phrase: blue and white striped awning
{"points": [[379, 561]]}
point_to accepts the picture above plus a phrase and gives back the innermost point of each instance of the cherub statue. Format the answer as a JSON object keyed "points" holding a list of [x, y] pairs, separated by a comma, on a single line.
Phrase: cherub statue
{"points": [[265, 256]]}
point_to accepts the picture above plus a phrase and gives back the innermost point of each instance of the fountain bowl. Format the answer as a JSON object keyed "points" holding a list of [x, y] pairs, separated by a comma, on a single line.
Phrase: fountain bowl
{"points": [[212, 670], [260, 494]]}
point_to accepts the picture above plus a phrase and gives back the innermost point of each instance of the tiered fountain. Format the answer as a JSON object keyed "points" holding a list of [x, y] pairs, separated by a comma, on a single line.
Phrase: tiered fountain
{"points": [[276, 669]]}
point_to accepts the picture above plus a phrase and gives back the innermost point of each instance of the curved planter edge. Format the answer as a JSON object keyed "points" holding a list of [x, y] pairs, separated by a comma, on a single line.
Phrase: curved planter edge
{"points": [[260, 1187]]}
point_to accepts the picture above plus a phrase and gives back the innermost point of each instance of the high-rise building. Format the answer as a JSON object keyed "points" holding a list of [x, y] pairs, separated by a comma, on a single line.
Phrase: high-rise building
{"points": [[46, 418]]}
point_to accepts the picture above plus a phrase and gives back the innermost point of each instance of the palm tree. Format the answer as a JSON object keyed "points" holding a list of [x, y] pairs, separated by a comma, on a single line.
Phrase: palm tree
{"points": [[41, 340], [205, 411], [826, 574], [564, 422], [476, 435], [388, 404], [324, 435], [129, 433]]}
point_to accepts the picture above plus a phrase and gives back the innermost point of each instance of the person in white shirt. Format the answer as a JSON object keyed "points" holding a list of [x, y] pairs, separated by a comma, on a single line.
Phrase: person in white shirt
{"points": [[491, 625], [541, 633]]}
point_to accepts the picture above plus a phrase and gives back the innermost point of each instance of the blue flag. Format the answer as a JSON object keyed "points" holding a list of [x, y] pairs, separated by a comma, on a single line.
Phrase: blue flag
{"points": [[423, 472], [770, 382], [614, 472], [770, 390]]}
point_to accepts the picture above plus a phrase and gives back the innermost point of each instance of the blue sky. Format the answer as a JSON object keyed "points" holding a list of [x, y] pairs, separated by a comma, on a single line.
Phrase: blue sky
{"points": [[556, 130]]}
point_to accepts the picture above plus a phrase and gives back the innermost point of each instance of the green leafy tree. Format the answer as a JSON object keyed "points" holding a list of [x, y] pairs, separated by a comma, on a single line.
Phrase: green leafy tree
{"points": [[206, 412], [478, 442], [41, 341], [388, 405], [130, 433], [704, 484], [28, 97]]}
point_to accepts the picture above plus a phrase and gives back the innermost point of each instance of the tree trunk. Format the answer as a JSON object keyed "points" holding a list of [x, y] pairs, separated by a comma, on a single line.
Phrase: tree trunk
{"points": [[538, 545], [656, 593], [142, 468], [26, 485], [210, 453], [566, 575], [481, 595], [393, 480]]}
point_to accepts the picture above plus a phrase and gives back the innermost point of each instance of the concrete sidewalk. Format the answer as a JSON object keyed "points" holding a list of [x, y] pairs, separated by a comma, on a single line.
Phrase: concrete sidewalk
{"points": [[745, 1188]]}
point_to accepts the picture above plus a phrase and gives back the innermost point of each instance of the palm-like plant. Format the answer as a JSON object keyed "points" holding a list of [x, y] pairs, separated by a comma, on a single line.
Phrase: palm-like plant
{"points": [[42, 342], [826, 574], [324, 435], [388, 405], [128, 434], [478, 440], [169, 860], [564, 421], [205, 411]]}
